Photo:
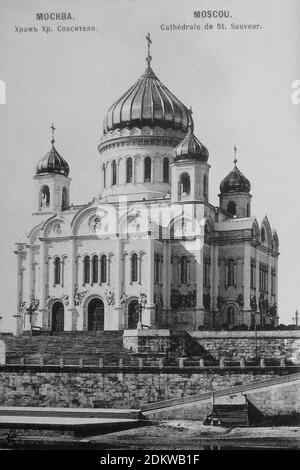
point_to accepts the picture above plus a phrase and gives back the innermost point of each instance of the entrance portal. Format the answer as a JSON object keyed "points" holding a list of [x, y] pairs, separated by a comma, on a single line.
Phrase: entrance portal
{"points": [[96, 315], [57, 317], [133, 316]]}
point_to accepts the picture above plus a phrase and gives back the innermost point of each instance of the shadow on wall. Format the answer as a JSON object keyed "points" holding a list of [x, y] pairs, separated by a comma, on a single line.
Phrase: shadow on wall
{"points": [[257, 418]]}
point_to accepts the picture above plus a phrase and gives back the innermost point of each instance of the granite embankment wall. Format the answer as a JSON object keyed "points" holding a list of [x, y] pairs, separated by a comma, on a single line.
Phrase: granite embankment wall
{"points": [[115, 387], [237, 344]]}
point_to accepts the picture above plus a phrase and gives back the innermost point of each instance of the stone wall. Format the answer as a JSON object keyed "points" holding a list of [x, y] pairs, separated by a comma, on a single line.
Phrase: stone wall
{"points": [[237, 344], [115, 387]]}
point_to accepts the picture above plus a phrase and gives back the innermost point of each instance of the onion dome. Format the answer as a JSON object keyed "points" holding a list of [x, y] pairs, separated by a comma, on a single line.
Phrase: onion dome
{"points": [[191, 148], [235, 181], [52, 162], [147, 103]]}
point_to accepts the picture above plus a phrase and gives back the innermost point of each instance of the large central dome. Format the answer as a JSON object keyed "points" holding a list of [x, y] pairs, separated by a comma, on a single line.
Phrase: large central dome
{"points": [[147, 103]]}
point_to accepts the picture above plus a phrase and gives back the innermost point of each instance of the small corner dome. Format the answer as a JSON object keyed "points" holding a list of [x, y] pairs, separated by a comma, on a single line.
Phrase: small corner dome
{"points": [[235, 182], [190, 148], [52, 162]]}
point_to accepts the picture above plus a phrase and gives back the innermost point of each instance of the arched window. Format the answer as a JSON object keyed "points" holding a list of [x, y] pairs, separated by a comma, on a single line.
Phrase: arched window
{"points": [[231, 277], [57, 264], [166, 170], [113, 172], [134, 267], [205, 186], [263, 235], [45, 196], [64, 201], [129, 170], [147, 170], [95, 269], [183, 270], [104, 176], [86, 270], [185, 184], [231, 208], [103, 268]]}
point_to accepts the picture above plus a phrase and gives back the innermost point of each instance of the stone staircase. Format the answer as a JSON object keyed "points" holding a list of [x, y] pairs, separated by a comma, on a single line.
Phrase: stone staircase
{"points": [[70, 346]]}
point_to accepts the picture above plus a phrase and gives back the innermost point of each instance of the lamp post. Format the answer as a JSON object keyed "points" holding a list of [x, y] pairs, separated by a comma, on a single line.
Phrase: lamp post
{"points": [[139, 310], [296, 318]]}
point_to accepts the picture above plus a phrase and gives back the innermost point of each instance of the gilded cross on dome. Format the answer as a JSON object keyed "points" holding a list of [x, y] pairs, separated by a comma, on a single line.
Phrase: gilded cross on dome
{"points": [[53, 129], [235, 159], [149, 58]]}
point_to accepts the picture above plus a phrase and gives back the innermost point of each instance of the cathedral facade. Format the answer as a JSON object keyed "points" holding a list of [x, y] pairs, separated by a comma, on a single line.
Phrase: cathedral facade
{"points": [[149, 251]]}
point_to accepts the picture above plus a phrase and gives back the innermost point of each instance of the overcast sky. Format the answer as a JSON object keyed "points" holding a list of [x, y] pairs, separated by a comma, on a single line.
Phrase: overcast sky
{"points": [[238, 83]]}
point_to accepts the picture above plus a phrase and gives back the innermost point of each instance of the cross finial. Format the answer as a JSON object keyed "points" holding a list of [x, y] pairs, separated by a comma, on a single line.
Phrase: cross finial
{"points": [[149, 58], [235, 159], [53, 129], [190, 123]]}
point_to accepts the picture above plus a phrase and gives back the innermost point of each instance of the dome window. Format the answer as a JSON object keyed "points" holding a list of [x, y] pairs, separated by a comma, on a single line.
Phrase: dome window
{"points": [[113, 173], [147, 170], [64, 202], [45, 199], [185, 184], [129, 170], [205, 186], [231, 208], [166, 170]]}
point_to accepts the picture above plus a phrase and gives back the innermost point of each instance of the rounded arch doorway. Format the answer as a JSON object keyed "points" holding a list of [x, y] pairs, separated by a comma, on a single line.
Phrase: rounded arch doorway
{"points": [[95, 315], [57, 317], [133, 316]]}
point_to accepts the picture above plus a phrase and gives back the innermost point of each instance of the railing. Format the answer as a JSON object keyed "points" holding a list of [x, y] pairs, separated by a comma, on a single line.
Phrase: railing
{"points": [[222, 392], [146, 363]]}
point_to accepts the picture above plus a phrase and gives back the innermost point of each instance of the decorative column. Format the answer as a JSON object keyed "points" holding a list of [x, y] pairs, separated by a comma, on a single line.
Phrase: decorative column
{"points": [[18, 316], [43, 320], [246, 284], [257, 315], [166, 281], [71, 318], [214, 273], [199, 312], [149, 310], [27, 322], [117, 322]]}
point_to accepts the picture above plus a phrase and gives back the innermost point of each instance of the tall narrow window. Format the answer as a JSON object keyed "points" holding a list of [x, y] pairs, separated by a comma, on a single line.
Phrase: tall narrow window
{"points": [[113, 172], [231, 277], [205, 186], [57, 265], [64, 201], [156, 269], [134, 267], [86, 270], [45, 196], [129, 170], [95, 269], [147, 175], [166, 170], [103, 268], [248, 209], [185, 184], [183, 270], [104, 176]]}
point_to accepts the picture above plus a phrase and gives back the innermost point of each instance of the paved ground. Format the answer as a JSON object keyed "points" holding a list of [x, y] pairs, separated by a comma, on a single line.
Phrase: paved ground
{"points": [[194, 435]]}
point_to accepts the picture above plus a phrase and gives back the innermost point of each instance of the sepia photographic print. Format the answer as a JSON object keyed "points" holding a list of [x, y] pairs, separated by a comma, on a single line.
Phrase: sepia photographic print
{"points": [[150, 236]]}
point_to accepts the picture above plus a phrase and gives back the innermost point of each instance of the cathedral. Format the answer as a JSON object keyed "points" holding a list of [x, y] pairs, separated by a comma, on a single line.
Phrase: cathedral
{"points": [[150, 251]]}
